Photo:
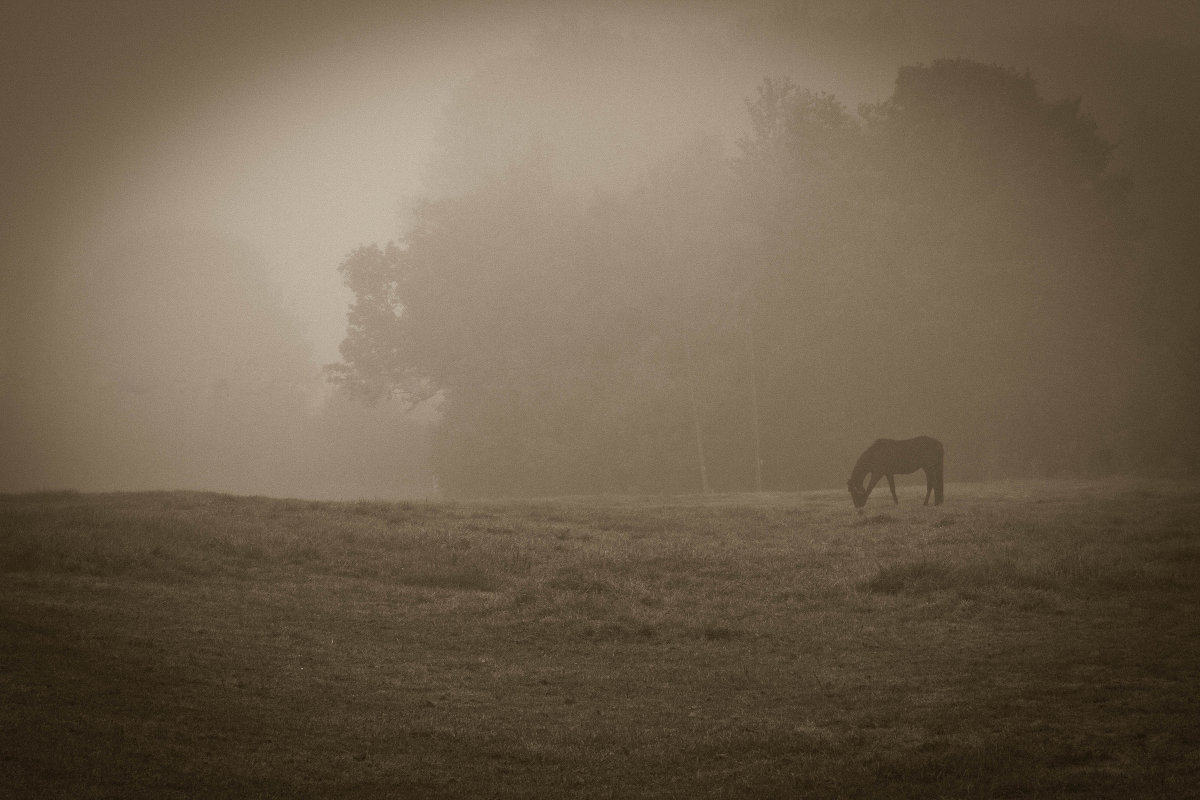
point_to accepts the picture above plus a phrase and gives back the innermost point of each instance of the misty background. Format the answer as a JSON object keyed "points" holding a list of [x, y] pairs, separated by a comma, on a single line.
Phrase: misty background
{"points": [[592, 248]]}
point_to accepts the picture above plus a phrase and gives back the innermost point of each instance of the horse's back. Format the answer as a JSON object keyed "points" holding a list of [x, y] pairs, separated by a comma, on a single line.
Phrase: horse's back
{"points": [[902, 456], [928, 444]]}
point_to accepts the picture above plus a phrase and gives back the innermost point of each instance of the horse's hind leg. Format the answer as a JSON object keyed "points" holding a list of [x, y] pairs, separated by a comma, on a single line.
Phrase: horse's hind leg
{"points": [[892, 486], [928, 483]]}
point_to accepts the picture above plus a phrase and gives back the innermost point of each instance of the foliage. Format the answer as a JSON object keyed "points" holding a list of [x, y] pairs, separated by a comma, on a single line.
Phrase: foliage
{"points": [[957, 259], [553, 332]]}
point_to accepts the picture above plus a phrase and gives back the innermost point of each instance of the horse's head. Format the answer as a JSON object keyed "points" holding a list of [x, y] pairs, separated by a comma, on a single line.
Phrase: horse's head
{"points": [[857, 494]]}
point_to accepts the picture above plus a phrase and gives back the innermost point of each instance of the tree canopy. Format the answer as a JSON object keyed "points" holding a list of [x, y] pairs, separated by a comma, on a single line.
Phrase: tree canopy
{"points": [[957, 259]]}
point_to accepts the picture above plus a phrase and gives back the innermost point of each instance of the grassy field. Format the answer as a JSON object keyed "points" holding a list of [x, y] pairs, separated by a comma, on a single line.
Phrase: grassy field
{"points": [[1033, 639]]}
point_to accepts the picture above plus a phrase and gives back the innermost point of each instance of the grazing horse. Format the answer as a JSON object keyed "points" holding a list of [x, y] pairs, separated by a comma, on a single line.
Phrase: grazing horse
{"points": [[889, 457]]}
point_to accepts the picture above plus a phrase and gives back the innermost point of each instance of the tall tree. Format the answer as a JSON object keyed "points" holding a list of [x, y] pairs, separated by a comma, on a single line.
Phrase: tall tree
{"points": [[570, 345], [954, 259], [957, 254]]}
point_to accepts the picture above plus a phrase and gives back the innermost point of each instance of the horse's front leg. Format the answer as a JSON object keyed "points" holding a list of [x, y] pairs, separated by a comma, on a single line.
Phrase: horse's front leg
{"points": [[928, 485], [870, 485], [892, 486]]}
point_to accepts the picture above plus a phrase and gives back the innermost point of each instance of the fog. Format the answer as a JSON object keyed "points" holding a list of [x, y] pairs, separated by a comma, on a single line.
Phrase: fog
{"points": [[597, 270]]}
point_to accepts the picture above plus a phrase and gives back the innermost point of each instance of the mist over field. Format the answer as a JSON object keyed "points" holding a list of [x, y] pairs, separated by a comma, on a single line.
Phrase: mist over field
{"points": [[457, 399], [386, 250]]}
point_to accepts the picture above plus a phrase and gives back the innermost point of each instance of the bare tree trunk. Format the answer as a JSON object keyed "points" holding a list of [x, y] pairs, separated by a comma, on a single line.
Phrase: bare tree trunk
{"points": [[758, 462], [695, 407]]}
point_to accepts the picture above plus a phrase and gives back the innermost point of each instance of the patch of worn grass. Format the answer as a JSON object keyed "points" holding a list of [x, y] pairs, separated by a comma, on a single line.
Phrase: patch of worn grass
{"points": [[875, 519], [913, 577], [1025, 639], [1072, 571]]}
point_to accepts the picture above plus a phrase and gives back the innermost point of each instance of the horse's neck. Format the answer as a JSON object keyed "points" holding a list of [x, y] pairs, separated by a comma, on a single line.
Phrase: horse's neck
{"points": [[861, 468]]}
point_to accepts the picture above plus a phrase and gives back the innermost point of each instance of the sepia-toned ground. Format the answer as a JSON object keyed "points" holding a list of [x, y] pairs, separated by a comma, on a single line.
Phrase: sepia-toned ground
{"points": [[1026, 639]]}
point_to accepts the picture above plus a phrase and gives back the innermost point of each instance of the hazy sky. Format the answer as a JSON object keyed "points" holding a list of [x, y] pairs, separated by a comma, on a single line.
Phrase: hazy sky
{"points": [[300, 128]]}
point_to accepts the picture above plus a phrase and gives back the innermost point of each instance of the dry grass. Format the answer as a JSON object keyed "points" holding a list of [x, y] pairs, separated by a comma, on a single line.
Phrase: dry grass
{"points": [[1025, 639]]}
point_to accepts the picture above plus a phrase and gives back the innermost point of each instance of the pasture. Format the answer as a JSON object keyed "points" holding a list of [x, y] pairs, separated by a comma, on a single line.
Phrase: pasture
{"points": [[1034, 639]]}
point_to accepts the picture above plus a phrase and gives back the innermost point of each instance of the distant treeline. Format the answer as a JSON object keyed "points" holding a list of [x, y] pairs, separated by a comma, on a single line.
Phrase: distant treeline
{"points": [[960, 259], [173, 363]]}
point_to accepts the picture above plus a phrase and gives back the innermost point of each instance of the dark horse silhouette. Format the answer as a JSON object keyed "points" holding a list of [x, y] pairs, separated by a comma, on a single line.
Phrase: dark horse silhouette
{"points": [[889, 457]]}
